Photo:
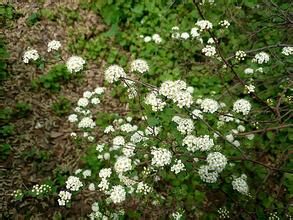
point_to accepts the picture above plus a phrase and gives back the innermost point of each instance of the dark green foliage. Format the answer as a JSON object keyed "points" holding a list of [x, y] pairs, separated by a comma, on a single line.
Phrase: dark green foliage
{"points": [[62, 107]]}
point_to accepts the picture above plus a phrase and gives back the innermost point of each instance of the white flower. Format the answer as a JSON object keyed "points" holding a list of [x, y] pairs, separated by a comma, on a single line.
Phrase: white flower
{"points": [[72, 118], [287, 51], [201, 143], [250, 88], [224, 23], [30, 55], [250, 136], [153, 100], [209, 105], [240, 55], [175, 28], [128, 127], [83, 102], [242, 106], [210, 41], [161, 157], [138, 137], [92, 187], [154, 131], [177, 215], [194, 32], [64, 198], [86, 173], [184, 125], [105, 173], [99, 90], [143, 188], [157, 39], [95, 101], [184, 35], [239, 184], [207, 175], [241, 128], [128, 149], [73, 183], [204, 25], [109, 129], [216, 161], [100, 147], [104, 185], [248, 71], [118, 141], [113, 73], [86, 122], [87, 94], [139, 65], [261, 58], [118, 194], [226, 118], [178, 167], [123, 164], [75, 64], [209, 50], [176, 91], [147, 39], [196, 114], [54, 45]]}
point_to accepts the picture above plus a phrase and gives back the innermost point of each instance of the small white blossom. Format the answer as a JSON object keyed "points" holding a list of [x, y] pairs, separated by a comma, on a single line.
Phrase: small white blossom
{"points": [[202, 143], [239, 184], [118, 194], [261, 58], [75, 64], [242, 106], [139, 65], [248, 71], [123, 164], [83, 102], [113, 73], [72, 118], [161, 157], [204, 25], [207, 175], [30, 55], [54, 45], [224, 23], [194, 32], [178, 167], [240, 55], [209, 105], [184, 36], [64, 198], [73, 183], [216, 161], [250, 88], [287, 51], [157, 39], [209, 50]]}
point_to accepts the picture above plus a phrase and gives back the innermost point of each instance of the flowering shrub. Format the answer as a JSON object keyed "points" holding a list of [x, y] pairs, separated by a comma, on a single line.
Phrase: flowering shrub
{"points": [[179, 143]]}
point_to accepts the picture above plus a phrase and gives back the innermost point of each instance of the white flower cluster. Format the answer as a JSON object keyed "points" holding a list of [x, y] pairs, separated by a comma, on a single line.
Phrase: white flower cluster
{"points": [[153, 100], [64, 198], [242, 106], [113, 73], [30, 55], [118, 142], [123, 164], [139, 65], [204, 25], [137, 137], [177, 92], [143, 188], [156, 38], [41, 189], [224, 23], [196, 114], [127, 127], [54, 45], [287, 51], [223, 213], [104, 174], [248, 71], [239, 184], [86, 122], [201, 143], [261, 58], [177, 216], [240, 55], [178, 167], [75, 64], [216, 161], [250, 88], [209, 51], [274, 216], [154, 131], [207, 175], [194, 32], [73, 183], [118, 194], [184, 35], [209, 105], [161, 157], [184, 125]]}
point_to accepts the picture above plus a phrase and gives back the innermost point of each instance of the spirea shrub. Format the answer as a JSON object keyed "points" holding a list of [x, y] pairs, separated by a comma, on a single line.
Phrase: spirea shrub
{"points": [[172, 138]]}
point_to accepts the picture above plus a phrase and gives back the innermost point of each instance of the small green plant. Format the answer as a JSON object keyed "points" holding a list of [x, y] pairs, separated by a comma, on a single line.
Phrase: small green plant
{"points": [[7, 130], [34, 18], [3, 61], [62, 106], [53, 79], [5, 150], [22, 109]]}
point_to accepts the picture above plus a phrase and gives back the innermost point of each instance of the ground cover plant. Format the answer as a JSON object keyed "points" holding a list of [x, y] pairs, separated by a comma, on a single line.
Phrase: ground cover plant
{"points": [[147, 110]]}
